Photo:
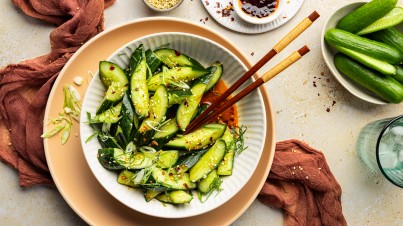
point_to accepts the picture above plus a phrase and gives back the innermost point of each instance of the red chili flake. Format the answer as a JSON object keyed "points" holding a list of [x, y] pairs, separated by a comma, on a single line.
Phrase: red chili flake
{"points": [[218, 5], [171, 174], [163, 172], [186, 185], [111, 68], [218, 11], [177, 53], [207, 3]]}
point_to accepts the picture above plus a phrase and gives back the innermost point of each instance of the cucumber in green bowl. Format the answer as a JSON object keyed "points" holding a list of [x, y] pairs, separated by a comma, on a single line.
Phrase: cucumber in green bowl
{"points": [[366, 15], [375, 49], [390, 36], [394, 17], [384, 86]]}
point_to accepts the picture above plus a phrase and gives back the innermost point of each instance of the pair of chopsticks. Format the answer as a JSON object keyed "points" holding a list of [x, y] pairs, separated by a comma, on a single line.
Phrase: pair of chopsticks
{"points": [[221, 104]]}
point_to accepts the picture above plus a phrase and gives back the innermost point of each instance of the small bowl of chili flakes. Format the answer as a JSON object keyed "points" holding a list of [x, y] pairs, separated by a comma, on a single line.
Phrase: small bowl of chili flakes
{"points": [[162, 5], [258, 11]]}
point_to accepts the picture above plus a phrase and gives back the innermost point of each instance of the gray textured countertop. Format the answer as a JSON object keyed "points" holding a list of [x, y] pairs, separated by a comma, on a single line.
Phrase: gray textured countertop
{"points": [[300, 111]]}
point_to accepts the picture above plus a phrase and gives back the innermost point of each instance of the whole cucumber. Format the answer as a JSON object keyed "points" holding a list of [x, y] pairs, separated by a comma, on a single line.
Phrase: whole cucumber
{"points": [[365, 15], [375, 49], [399, 74], [389, 36], [384, 86]]}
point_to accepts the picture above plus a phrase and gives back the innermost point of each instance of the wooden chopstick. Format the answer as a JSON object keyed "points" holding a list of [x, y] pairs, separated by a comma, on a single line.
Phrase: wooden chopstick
{"points": [[294, 57], [293, 34]]}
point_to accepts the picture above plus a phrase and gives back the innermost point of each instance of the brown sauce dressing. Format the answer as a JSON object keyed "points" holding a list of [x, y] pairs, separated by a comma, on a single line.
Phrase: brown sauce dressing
{"points": [[229, 116], [258, 8]]}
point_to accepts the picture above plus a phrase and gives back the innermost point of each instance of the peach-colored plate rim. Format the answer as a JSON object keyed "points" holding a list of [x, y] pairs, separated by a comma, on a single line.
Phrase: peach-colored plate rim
{"points": [[71, 173]]}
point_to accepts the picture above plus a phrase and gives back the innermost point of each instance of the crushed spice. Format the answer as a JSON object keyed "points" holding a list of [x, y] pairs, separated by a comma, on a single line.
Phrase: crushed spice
{"points": [[163, 4]]}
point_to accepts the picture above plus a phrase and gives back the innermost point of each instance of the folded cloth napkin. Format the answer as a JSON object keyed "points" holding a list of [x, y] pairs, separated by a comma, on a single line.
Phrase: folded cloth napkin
{"points": [[302, 185], [300, 181], [24, 87]]}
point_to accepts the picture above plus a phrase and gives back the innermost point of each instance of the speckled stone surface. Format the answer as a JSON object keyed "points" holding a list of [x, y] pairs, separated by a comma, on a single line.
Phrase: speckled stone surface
{"points": [[309, 104]]}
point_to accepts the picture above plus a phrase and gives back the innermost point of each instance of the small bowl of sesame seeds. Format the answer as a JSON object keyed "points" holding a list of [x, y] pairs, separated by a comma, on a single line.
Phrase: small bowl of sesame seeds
{"points": [[162, 5]]}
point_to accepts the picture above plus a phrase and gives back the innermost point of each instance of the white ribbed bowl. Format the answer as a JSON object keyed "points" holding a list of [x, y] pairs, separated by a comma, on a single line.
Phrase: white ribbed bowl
{"points": [[251, 114]]}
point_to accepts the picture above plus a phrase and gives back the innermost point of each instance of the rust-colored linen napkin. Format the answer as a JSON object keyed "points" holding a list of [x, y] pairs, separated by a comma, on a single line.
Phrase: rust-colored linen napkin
{"points": [[24, 87], [302, 185]]}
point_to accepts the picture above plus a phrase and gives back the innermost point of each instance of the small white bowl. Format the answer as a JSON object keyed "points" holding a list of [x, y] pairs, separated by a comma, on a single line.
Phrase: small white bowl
{"points": [[328, 53], [154, 8], [256, 20]]}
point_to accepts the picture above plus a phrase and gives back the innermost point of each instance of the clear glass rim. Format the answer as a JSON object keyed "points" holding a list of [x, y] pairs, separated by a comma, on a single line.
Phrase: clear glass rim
{"points": [[377, 149]]}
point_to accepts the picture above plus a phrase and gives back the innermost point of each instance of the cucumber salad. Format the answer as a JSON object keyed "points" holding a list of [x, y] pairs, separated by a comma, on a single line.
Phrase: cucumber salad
{"points": [[141, 120]]}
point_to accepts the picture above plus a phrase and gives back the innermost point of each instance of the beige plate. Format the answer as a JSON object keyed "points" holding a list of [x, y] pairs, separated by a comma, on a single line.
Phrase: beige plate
{"points": [[67, 164]]}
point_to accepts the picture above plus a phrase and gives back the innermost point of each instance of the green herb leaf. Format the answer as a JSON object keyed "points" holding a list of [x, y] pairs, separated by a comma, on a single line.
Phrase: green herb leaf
{"points": [[53, 131]]}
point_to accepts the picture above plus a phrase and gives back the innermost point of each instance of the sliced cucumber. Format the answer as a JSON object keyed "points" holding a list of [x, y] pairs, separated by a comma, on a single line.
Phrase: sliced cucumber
{"points": [[129, 121], [138, 89], [180, 197], [216, 71], [175, 197], [379, 65], [199, 138], [173, 58], [205, 185], [365, 15], [164, 197], [116, 82], [172, 179], [126, 177], [164, 134], [175, 76], [186, 161], [152, 60], [150, 194], [178, 96], [157, 111], [112, 115], [115, 159], [208, 162], [188, 109], [135, 58], [226, 165], [394, 17], [166, 159]]}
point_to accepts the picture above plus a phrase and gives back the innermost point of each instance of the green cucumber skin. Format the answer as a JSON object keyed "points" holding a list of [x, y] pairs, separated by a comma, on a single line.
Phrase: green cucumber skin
{"points": [[115, 80], [392, 18], [399, 74], [188, 109], [204, 185], [379, 65], [365, 15], [375, 49], [389, 36], [384, 86], [174, 58], [208, 162]]}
